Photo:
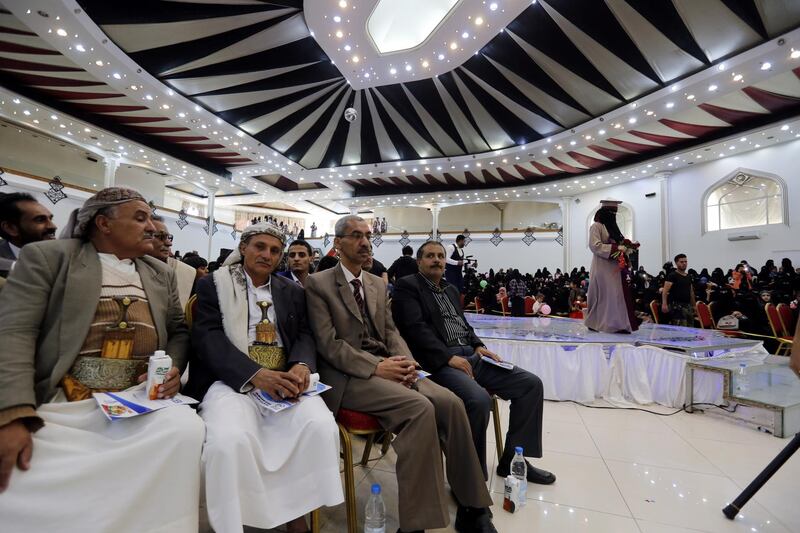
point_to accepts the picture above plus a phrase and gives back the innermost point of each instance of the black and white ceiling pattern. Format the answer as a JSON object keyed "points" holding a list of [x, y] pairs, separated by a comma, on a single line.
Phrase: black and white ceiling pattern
{"points": [[557, 65]]}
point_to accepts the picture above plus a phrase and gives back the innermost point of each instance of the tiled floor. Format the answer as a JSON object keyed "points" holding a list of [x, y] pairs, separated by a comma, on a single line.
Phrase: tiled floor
{"points": [[628, 471]]}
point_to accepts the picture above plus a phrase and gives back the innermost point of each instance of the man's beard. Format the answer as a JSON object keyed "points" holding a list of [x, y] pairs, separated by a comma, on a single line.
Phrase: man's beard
{"points": [[27, 238]]}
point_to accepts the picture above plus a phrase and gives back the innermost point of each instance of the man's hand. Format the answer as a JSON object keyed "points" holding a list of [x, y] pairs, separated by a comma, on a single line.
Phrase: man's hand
{"points": [[460, 363], [277, 384], [304, 373], [16, 448], [483, 351], [171, 385], [399, 369]]}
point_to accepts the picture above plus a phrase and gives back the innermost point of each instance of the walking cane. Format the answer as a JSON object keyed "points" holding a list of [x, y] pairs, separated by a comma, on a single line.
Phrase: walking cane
{"points": [[732, 509]]}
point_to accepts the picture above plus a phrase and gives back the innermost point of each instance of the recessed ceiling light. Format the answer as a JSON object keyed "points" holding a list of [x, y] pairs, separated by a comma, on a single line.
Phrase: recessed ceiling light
{"points": [[712, 87], [62, 32], [425, 64], [795, 54], [80, 48], [342, 4], [453, 45], [766, 65], [669, 105], [347, 48], [493, 6], [117, 76], [99, 63], [392, 71], [737, 77], [337, 18], [465, 35], [164, 106], [602, 132], [784, 127], [441, 57], [632, 120], [478, 21], [356, 59], [408, 68]]}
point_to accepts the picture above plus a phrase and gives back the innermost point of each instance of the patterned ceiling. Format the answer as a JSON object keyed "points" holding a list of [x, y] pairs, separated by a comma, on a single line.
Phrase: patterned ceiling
{"points": [[559, 64]]}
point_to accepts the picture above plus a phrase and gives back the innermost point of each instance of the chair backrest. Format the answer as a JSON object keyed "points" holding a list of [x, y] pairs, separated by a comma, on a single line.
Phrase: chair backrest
{"points": [[504, 305], [704, 315], [478, 306], [189, 310], [461, 300], [529, 305], [654, 311], [774, 319], [787, 319]]}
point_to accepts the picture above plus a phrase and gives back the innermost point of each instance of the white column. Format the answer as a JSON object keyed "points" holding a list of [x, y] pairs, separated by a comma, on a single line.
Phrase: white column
{"points": [[110, 176], [212, 194], [435, 209], [666, 245], [566, 212]]}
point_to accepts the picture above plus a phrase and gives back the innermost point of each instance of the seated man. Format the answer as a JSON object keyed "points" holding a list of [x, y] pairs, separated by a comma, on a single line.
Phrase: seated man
{"points": [[298, 263], [22, 220], [427, 313], [371, 370], [69, 311], [250, 330], [162, 247]]}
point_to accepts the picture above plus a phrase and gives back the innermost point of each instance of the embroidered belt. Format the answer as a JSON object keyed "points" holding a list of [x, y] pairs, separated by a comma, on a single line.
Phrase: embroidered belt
{"points": [[108, 374], [269, 357]]}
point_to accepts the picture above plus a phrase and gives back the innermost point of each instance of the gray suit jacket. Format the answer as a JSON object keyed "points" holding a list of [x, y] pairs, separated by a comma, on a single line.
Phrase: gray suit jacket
{"points": [[338, 329], [47, 307]]}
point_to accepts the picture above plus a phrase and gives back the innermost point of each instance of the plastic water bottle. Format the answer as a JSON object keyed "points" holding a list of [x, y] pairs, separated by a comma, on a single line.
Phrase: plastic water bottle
{"points": [[742, 380], [375, 514], [519, 469]]}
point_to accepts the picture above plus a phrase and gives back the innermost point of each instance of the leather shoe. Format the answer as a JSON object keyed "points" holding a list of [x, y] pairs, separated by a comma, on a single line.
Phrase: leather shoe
{"points": [[535, 475], [472, 520]]}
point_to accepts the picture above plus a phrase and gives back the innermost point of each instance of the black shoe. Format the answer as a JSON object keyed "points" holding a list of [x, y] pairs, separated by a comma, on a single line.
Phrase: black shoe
{"points": [[473, 520], [535, 475]]}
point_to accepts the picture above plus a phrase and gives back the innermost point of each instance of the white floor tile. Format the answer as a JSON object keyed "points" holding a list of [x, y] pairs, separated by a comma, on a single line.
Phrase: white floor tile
{"points": [[651, 448], [566, 437], [653, 527], [710, 426], [561, 412], [626, 419], [687, 499]]}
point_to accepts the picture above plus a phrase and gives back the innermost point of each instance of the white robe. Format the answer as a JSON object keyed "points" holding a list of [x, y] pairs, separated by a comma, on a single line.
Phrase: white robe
{"points": [[89, 474], [264, 471]]}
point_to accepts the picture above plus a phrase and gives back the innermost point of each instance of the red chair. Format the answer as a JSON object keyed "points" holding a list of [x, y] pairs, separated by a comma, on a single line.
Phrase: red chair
{"points": [[788, 320], [461, 300], [704, 315], [529, 305], [478, 307], [655, 310], [356, 423], [503, 307], [783, 337]]}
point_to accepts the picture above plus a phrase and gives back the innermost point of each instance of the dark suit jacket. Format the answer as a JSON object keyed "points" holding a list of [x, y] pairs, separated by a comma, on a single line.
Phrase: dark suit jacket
{"points": [[338, 328], [403, 266], [216, 358], [6, 258], [418, 318]]}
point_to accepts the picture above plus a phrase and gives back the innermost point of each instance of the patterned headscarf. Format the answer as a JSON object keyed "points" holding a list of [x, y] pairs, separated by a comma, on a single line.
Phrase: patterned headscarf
{"points": [[79, 219], [262, 228]]}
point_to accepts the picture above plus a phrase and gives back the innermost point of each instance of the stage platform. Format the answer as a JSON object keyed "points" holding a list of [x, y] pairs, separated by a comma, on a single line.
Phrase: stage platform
{"points": [[647, 366]]}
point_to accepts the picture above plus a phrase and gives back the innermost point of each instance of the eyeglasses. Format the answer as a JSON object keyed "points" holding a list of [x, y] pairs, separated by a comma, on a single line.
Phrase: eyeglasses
{"points": [[162, 236], [357, 235]]}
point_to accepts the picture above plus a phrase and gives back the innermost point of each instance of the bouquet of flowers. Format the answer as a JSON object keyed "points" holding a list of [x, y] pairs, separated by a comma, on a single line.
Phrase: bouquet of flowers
{"points": [[621, 255]]}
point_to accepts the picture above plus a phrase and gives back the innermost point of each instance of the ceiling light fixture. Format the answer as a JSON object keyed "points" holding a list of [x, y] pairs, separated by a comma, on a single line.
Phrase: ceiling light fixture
{"points": [[478, 21], [795, 54], [80, 48], [453, 45], [493, 6], [766, 65]]}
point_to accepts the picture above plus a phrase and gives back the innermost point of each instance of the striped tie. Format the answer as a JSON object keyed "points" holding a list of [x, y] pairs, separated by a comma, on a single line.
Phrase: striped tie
{"points": [[357, 294]]}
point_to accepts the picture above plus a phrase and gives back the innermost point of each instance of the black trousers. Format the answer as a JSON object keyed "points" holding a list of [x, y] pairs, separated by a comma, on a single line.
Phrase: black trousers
{"points": [[523, 388]]}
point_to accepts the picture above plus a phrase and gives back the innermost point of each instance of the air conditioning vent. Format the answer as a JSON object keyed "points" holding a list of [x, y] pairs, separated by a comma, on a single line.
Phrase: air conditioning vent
{"points": [[744, 236]]}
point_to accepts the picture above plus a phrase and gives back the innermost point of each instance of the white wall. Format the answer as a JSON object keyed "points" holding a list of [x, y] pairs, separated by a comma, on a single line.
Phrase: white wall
{"points": [[191, 237], [687, 188]]}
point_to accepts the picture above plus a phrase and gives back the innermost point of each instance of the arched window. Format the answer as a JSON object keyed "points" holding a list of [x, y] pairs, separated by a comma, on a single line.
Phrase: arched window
{"points": [[744, 199], [624, 221]]}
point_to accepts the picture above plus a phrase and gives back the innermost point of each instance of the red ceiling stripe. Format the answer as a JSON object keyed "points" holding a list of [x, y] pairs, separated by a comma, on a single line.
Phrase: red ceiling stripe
{"points": [[182, 139], [666, 140], [587, 160], [507, 177], [525, 173], [398, 181], [202, 146], [285, 184], [382, 182], [72, 95], [547, 171], [416, 181], [51, 81], [352, 183], [31, 65], [449, 179], [632, 146], [159, 129], [15, 48], [731, 116], [432, 180], [222, 154], [14, 31], [109, 108], [366, 183], [137, 120], [566, 167], [608, 152], [236, 160], [695, 130], [487, 178], [774, 102]]}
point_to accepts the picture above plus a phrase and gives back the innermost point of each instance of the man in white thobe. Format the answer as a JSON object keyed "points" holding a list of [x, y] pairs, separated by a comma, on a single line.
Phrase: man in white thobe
{"points": [[261, 470]]}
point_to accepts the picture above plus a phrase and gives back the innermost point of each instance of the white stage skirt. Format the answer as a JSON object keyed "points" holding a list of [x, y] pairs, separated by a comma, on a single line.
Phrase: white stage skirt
{"points": [[88, 474], [264, 471], [639, 375]]}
